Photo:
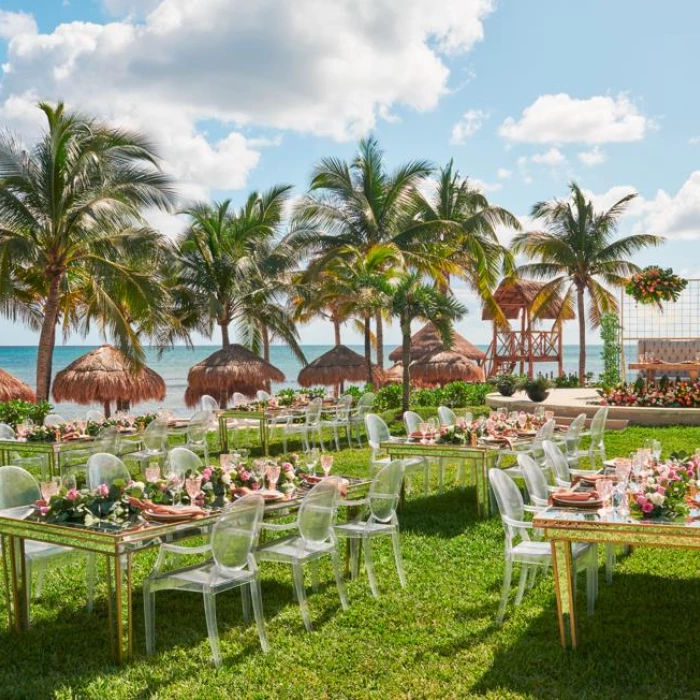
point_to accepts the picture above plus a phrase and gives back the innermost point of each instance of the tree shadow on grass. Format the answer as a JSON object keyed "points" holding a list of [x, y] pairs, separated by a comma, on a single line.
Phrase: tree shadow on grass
{"points": [[642, 640]]}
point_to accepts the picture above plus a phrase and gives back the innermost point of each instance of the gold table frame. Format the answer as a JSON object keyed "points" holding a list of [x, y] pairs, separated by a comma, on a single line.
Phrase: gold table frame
{"points": [[563, 528], [118, 545]]}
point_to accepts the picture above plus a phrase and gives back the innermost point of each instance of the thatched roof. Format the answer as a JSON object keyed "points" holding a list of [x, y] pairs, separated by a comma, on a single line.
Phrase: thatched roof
{"points": [[341, 364], [104, 375], [445, 366], [233, 368], [12, 388], [515, 295], [428, 340], [394, 374]]}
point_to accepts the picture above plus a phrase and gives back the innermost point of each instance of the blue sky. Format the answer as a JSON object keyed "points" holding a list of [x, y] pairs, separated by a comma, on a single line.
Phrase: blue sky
{"points": [[525, 95]]}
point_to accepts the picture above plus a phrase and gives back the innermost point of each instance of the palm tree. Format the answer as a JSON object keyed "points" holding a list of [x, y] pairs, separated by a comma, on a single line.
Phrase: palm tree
{"points": [[578, 253], [467, 228], [412, 299], [71, 231], [360, 204]]}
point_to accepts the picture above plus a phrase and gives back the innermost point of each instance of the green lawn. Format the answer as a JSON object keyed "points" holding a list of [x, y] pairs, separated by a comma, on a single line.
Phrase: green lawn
{"points": [[436, 638]]}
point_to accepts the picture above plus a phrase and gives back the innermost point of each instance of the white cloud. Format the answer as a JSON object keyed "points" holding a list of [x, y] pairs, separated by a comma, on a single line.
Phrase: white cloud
{"points": [[593, 157], [675, 216], [561, 118], [605, 200], [553, 157], [504, 173], [467, 126], [15, 23], [484, 186], [235, 65]]}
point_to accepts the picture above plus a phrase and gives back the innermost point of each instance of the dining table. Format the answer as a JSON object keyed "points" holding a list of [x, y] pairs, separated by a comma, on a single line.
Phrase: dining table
{"points": [[118, 543], [564, 527]]}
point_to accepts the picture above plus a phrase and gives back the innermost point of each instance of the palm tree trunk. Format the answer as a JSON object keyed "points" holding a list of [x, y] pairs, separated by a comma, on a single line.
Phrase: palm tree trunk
{"points": [[266, 351], [368, 350], [581, 335], [47, 340], [406, 359], [380, 339], [107, 409], [336, 331], [225, 342]]}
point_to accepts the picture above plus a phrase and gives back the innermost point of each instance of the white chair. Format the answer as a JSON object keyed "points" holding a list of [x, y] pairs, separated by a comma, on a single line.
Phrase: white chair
{"points": [[19, 490], [380, 521], [535, 482], [341, 420], [39, 461], [314, 538], [53, 420], [557, 463], [232, 565], [571, 440], [532, 448], [446, 416], [107, 440], [377, 433], [241, 425], [597, 435], [104, 468], [181, 460], [530, 554], [154, 443], [357, 417], [262, 396], [197, 431], [95, 416], [309, 429], [412, 422], [208, 403]]}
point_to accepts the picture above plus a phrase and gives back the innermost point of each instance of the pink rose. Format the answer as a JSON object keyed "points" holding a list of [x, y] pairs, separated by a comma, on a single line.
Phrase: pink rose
{"points": [[245, 475], [163, 487], [661, 490], [648, 507], [254, 486], [206, 474], [641, 501], [44, 510], [72, 494], [287, 467], [103, 490]]}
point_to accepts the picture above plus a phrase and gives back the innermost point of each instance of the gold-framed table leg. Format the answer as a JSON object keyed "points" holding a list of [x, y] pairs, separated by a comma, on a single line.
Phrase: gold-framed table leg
{"points": [[223, 434], [119, 605], [564, 588], [15, 573]]}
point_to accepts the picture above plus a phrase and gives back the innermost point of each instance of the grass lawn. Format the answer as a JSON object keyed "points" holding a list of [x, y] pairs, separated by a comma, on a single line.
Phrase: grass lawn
{"points": [[436, 638]]}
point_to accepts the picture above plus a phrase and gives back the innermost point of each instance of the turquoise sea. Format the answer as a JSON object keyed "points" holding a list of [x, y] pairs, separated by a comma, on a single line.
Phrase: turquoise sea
{"points": [[174, 364]]}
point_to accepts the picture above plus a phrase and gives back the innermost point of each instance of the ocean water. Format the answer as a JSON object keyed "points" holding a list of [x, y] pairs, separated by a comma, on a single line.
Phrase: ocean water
{"points": [[174, 364]]}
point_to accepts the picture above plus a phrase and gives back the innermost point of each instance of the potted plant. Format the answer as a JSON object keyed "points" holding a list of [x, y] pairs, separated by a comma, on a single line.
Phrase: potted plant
{"points": [[506, 384], [537, 389]]}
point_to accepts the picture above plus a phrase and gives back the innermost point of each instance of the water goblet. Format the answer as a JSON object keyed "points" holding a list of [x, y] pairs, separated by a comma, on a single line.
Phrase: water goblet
{"points": [[423, 429], [326, 464], [273, 475], [434, 424], [68, 481], [605, 489], [522, 419], [49, 488], [152, 472], [493, 416], [539, 413], [656, 450], [174, 485], [193, 485], [513, 416], [548, 415], [312, 457]]}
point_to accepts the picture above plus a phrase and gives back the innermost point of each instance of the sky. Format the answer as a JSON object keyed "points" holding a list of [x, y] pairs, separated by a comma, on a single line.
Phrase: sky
{"points": [[525, 95]]}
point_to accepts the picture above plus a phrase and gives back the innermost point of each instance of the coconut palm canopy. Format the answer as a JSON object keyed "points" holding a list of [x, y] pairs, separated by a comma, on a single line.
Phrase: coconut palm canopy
{"points": [[514, 295], [338, 365], [445, 366], [12, 388], [233, 368], [104, 376], [427, 340]]}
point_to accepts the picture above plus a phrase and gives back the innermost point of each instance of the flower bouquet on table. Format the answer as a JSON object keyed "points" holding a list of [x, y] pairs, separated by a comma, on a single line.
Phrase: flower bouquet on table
{"points": [[461, 433], [663, 490], [653, 285]]}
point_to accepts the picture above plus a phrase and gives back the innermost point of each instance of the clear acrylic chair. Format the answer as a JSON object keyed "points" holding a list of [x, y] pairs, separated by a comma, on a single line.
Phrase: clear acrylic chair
{"points": [[241, 425], [571, 441], [181, 460], [379, 521], [557, 464], [105, 468], [39, 462], [446, 416], [341, 420], [262, 396], [231, 564], [208, 403], [532, 448], [309, 429], [535, 482], [18, 491], [154, 443], [531, 554], [357, 417], [314, 538], [377, 433], [52, 420], [412, 422], [197, 431], [596, 447], [95, 416], [107, 440]]}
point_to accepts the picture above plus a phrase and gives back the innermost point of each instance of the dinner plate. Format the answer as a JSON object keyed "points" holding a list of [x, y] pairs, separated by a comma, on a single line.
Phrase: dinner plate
{"points": [[271, 495], [612, 463], [592, 503], [169, 517]]}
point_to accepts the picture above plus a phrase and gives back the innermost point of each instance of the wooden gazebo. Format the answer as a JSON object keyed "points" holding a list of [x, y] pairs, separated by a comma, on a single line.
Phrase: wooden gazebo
{"points": [[521, 300]]}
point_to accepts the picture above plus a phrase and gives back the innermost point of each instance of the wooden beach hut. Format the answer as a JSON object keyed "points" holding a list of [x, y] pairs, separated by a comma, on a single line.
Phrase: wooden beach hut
{"points": [[337, 366], [12, 389], [442, 367], [428, 340]]}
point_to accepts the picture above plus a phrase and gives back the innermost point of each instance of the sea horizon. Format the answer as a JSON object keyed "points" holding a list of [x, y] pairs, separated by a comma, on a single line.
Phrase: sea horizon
{"points": [[174, 363]]}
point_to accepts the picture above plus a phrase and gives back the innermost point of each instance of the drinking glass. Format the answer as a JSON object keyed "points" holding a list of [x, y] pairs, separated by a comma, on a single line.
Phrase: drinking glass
{"points": [[326, 464], [69, 481], [522, 419], [273, 475], [513, 417], [539, 413], [493, 416], [504, 415], [152, 472], [49, 488], [548, 415], [434, 425], [174, 485], [312, 457], [194, 487], [605, 489], [423, 429], [656, 450]]}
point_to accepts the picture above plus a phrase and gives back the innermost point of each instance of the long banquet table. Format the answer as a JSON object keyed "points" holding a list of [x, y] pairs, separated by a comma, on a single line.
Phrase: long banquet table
{"points": [[564, 527], [118, 544]]}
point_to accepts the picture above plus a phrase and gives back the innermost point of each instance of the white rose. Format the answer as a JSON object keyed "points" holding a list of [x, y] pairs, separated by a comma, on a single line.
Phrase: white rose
{"points": [[226, 478], [657, 499]]}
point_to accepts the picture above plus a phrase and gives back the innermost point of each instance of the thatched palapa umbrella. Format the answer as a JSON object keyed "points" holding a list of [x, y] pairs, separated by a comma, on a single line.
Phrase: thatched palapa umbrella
{"points": [[443, 367], [12, 388], [104, 376], [338, 365], [233, 368], [394, 374], [428, 340]]}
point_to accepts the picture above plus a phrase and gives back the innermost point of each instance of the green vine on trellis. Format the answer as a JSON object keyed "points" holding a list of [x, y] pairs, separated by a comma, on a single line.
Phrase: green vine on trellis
{"points": [[610, 329]]}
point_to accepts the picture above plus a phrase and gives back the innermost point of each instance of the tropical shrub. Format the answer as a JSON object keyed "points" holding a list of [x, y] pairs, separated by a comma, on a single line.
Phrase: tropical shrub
{"points": [[388, 397], [506, 384], [536, 388], [15, 412], [567, 381]]}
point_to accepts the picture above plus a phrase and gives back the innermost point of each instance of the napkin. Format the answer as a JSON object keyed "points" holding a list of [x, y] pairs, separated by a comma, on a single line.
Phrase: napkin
{"points": [[576, 495], [142, 504]]}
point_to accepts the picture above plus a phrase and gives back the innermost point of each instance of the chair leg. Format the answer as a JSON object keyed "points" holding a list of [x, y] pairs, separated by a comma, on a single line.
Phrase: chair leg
{"points": [[505, 591], [426, 476], [298, 575], [609, 562], [354, 545], [149, 613], [337, 439], [41, 566], [396, 544], [91, 578], [338, 571], [314, 575], [284, 442], [258, 613], [441, 474], [524, 571], [212, 630], [245, 601], [369, 565]]}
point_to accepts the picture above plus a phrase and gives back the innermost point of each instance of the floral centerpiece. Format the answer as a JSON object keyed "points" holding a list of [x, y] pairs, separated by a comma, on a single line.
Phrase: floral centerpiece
{"points": [[654, 284], [662, 394], [462, 433], [663, 490]]}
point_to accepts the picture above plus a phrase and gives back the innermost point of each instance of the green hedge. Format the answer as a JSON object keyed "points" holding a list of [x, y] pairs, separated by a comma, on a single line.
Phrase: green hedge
{"points": [[15, 412], [454, 395]]}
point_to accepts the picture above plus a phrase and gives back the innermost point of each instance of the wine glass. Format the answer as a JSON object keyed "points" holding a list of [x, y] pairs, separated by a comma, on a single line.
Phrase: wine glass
{"points": [[539, 413], [548, 415], [326, 464], [656, 450], [174, 485], [312, 457], [193, 485], [434, 425], [423, 429], [605, 489], [49, 488], [522, 419], [68, 481], [152, 472], [273, 475]]}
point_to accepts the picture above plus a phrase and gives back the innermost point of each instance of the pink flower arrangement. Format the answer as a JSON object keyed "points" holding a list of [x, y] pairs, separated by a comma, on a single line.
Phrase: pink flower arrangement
{"points": [[103, 490], [206, 473]]}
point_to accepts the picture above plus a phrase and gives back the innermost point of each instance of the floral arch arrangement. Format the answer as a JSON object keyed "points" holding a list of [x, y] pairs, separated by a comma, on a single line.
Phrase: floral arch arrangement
{"points": [[654, 285]]}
